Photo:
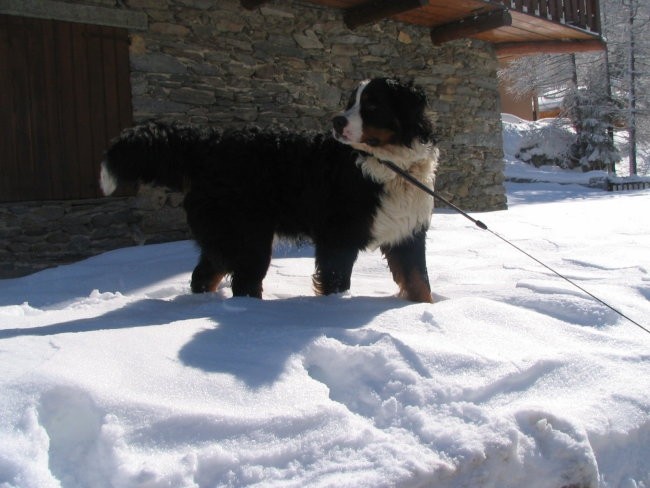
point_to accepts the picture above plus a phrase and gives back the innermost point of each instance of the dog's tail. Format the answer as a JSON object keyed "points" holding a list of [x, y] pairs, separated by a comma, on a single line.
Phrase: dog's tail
{"points": [[156, 153]]}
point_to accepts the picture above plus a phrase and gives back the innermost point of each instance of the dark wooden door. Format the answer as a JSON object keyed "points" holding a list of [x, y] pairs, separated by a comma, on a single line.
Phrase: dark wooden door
{"points": [[64, 93]]}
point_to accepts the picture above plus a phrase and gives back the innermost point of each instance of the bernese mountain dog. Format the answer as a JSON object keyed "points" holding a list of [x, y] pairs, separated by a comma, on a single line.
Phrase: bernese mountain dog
{"points": [[244, 187]]}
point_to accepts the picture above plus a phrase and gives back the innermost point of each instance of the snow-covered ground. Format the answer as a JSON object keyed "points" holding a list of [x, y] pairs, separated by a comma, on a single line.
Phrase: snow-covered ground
{"points": [[113, 375], [552, 139]]}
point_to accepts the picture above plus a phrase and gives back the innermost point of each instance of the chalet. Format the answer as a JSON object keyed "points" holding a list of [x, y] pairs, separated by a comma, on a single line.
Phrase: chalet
{"points": [[75, 72]]}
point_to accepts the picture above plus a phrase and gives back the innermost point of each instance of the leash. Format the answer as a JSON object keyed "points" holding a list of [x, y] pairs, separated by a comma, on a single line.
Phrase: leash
{"points": [[411, 179]]}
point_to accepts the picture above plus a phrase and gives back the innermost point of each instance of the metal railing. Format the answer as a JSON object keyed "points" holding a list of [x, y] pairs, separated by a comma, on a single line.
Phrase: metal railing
{"points": [[584, 14]]}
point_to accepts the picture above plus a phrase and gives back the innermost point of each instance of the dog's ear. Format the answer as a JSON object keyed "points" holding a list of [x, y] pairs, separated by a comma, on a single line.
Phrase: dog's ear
{"points": [[419, 95], [412, 104], [408, 92]]}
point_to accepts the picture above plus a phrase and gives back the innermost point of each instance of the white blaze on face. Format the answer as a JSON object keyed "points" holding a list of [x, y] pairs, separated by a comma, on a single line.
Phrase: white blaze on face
{"points": [[353, 131]]}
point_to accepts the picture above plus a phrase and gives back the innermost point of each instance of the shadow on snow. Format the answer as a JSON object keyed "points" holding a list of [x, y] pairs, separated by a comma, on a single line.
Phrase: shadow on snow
{"points": [[250, 339]]}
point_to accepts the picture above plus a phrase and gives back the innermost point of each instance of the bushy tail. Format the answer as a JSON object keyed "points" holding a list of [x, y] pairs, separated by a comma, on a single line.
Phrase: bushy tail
{"points": [[155, 153]]}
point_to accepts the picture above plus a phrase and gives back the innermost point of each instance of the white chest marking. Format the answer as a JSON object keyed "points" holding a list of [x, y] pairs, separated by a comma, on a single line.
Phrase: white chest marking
{"points": [[403, 208]]}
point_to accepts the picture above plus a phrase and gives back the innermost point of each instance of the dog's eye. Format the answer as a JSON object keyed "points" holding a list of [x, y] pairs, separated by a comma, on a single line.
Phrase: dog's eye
{"points": [[370, 107]]}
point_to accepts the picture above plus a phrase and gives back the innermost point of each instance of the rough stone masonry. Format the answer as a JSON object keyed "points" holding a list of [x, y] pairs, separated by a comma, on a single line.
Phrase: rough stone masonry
{"points": [[291, 63], [287, 63]]}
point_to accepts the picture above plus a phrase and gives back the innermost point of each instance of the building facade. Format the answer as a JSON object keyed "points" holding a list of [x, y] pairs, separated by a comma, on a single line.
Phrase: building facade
{"points": [[287, 63]]}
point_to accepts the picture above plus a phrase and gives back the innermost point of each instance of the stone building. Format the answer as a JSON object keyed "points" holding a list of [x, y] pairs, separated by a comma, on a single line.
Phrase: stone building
{"points": [[288, 63]]}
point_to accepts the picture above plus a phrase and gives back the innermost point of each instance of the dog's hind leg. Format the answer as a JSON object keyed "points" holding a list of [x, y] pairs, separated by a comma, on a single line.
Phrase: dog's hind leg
{"points": [[250, 265], [407, 263], [206, 275], [333, 269]]}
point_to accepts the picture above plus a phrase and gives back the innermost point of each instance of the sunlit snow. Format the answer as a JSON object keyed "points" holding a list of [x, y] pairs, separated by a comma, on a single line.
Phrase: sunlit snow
{"points": [[112, 374]]}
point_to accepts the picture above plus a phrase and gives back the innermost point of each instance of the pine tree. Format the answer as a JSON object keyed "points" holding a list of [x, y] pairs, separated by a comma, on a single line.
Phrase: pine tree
{"points": [[626, 22], [586, 104], [590, 111], [619, 93]]}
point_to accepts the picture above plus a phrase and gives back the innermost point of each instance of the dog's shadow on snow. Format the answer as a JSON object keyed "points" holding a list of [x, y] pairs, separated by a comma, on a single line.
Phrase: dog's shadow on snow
{"points": [[141, 313], [253, 339], [248, 338]]}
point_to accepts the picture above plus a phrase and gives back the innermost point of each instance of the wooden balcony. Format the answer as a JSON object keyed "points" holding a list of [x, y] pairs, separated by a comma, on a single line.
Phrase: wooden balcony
{"points": [[515, 27], [550, 26], [583, 14]]}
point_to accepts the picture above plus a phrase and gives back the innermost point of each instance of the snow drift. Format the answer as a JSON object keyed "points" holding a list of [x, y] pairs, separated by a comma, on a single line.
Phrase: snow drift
{"points": [[114, 375]]}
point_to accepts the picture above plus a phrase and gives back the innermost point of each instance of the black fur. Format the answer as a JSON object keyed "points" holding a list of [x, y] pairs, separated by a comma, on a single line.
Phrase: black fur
{"points": [[243, 187], [399, 106]]}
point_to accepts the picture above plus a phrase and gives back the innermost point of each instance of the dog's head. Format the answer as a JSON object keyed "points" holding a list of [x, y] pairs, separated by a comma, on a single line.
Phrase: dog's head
{"points": [[385, 117]]}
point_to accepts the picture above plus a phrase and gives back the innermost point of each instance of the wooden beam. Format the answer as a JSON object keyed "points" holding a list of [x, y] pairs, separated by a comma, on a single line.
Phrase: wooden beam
{"points": [[469, 26], [507, 49], [376, 10], [83, 14], [252, 4]]}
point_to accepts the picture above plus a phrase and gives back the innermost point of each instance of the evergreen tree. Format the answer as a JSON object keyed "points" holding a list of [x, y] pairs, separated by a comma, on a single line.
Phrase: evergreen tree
{"points": [[590, 111], [600, 89], [625, 23]]}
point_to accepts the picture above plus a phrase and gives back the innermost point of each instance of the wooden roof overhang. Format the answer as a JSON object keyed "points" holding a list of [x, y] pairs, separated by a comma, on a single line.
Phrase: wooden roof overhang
{"points": [[515, 27]]}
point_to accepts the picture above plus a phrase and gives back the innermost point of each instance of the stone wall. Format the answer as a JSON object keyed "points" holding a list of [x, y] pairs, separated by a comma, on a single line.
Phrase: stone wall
{"points": [[39, 235], [293, 64], [288, 63]]}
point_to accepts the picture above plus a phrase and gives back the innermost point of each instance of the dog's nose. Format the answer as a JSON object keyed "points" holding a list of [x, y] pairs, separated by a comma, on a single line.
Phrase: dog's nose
{"points": [[339, 122]]}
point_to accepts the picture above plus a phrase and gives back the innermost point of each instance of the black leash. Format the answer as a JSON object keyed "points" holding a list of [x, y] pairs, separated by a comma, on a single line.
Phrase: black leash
{"points": [[411, 179]]}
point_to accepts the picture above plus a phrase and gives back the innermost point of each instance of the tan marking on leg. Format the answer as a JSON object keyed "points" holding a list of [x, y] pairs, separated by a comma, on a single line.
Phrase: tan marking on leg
{"points": [[215, 282], [416, 289], [412, 285]]}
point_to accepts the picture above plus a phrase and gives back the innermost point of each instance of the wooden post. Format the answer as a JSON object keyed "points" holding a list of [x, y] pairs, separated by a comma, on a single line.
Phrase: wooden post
{"points": [[569, 11], [531, 6], [553, 10], [543, 9], [582, 5], [595, 16]]}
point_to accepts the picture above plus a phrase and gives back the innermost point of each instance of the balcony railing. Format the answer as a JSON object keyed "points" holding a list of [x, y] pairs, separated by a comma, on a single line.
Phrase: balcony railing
{"points": [[584, 14]]}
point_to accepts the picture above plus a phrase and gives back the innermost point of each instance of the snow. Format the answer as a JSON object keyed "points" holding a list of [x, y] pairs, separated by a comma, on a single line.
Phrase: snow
{"points": [[550, 138], [113, 374]]}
